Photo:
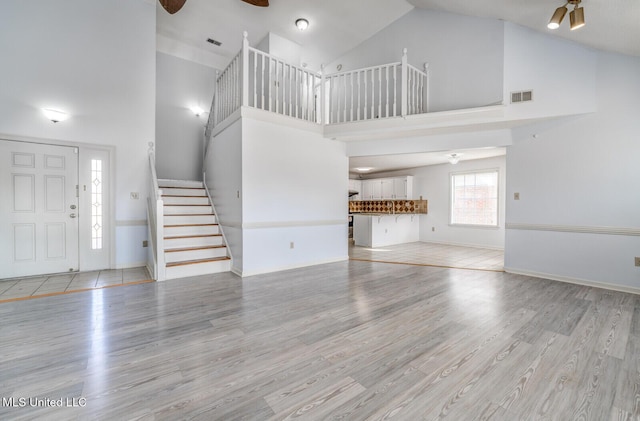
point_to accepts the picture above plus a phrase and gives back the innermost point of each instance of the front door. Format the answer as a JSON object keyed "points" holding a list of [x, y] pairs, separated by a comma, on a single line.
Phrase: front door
{"points": [[38, 209]]}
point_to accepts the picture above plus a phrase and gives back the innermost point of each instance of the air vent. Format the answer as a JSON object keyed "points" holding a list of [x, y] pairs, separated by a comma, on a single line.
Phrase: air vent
{"points": [[522, 96], [214, 42]]}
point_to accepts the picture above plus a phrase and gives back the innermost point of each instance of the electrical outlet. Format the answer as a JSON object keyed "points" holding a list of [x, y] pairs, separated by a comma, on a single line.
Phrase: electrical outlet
{"points": [[638, 261], [135, 195], [433, 229], [145, 243], [291, 245], [516, 196]]}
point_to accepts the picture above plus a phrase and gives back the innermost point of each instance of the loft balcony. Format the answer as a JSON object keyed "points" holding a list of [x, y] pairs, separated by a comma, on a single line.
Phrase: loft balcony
{"points": [[385, 101]]}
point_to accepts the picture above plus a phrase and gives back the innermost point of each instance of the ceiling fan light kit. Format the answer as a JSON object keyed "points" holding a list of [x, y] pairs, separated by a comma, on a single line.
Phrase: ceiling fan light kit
{"points": [[576, 16]]}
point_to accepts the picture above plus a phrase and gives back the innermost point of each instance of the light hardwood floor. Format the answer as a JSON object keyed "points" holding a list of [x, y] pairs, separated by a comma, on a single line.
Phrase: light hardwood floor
{"points": [[345, 341]]}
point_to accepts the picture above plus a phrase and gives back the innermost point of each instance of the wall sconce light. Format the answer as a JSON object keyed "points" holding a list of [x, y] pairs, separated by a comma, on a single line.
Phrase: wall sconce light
{"points": [[576, 16], [454, 158], [55, 115], [196, 110], [302, 24]]}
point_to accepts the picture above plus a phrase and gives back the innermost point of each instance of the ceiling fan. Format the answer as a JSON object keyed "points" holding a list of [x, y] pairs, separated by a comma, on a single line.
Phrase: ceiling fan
{"points": [[172, 6]]}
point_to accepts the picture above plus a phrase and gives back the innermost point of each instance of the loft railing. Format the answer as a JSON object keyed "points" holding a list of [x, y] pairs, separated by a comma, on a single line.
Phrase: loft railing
{"points": [[283, 88], [259, 80], [155, 215]]}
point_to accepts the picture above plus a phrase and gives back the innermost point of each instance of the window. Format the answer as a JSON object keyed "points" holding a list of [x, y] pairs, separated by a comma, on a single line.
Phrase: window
{"points": [[96, 204], [474, 198]]}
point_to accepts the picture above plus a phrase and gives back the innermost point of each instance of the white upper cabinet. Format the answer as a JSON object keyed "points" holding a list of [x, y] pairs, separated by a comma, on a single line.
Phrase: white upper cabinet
{"points": [[388, 188], [397, 188]]}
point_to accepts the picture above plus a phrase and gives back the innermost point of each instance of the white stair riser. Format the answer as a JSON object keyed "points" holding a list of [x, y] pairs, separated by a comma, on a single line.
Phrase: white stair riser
{"points": [[177, 210], [198, 269], [185, 200], [182, 256], [184, 192], [197, 230], [192, 242], [163, 182], [191, 219]]}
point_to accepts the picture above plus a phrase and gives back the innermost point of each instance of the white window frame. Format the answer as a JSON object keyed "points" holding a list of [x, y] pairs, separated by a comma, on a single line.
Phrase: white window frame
{"points": [[451, 197]]}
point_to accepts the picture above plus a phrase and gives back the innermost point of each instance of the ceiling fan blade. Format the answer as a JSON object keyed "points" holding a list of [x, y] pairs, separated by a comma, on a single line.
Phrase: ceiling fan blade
{"points": [[172, 6], [261, 3]]}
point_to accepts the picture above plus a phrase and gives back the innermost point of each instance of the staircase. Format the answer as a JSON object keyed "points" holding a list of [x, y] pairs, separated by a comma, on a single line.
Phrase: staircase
{"points": [[193, 242]]}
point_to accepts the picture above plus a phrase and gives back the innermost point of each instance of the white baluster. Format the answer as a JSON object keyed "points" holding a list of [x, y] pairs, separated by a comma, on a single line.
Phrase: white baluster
{"points": [[404, 82]]}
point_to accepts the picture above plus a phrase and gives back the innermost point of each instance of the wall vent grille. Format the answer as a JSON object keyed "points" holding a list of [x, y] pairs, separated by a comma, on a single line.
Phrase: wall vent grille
{"points": [[214, 42], [521, 96]]}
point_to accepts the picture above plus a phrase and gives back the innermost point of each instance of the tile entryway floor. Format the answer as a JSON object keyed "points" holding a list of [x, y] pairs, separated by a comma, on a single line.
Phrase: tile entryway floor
{"points": [[430, 254], [24, 288]]}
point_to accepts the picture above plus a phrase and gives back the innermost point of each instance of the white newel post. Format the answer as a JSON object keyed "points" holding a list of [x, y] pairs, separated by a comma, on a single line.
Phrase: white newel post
{"points": [[323, 120], [245, 70], [403, 85]]}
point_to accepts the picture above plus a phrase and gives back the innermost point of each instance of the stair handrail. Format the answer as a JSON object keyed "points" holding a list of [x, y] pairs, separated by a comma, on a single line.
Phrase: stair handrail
{"points": [[155, 212]]}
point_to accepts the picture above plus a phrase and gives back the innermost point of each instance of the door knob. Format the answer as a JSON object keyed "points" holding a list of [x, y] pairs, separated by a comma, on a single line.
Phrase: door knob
{"points": [[73, 215]]}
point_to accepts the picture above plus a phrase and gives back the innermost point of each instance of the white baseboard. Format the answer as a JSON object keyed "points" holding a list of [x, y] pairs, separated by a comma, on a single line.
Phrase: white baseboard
{"points": [[576, 281], [245, 274], [477, 246], [132, 265]]}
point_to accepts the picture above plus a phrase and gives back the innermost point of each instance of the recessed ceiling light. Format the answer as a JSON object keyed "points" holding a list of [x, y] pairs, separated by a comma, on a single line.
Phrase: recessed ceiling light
{"points": [[363, 169], [302, 24]]}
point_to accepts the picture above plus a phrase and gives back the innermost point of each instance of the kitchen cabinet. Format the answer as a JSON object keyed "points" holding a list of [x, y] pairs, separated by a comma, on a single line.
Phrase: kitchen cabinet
{"points": [[385, 230], [396, 188], [387, 188], [371, 189], [355, 186], [403, 188]]}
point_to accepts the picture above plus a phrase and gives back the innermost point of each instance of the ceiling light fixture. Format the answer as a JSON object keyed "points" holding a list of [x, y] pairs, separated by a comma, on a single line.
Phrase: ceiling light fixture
{"points": [[576, 16], [55, 115], [302, 24], [454, 158], [363, 169]]}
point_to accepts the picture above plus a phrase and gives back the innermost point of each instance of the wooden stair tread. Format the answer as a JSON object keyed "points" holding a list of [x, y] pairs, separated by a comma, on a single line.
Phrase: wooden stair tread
{"points": [[193, 236], [180, 195], [191, 225], [186, 188], [190, 214], [175, 250], [194, 262], [171, 204]]}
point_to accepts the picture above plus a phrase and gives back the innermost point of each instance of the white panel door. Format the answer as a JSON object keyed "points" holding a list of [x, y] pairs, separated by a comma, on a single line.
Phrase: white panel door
{"points": [[38, 209]]}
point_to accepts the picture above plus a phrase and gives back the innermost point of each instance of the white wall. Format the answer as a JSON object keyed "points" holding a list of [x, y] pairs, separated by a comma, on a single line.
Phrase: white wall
{"points": [[223, 177], [294, 189], [281, 48], [96, 61], [433, 184], [181, 84], [580, 172], [561, 74], [465, 55]]}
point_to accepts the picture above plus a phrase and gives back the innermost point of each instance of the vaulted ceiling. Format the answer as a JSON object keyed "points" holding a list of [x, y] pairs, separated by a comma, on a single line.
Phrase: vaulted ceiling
{"points": [[336, 26]]}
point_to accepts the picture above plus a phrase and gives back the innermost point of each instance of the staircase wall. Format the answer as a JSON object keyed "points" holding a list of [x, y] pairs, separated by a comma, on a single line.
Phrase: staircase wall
{"points": [[274, 185], [295, 185], [223, 177]]}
